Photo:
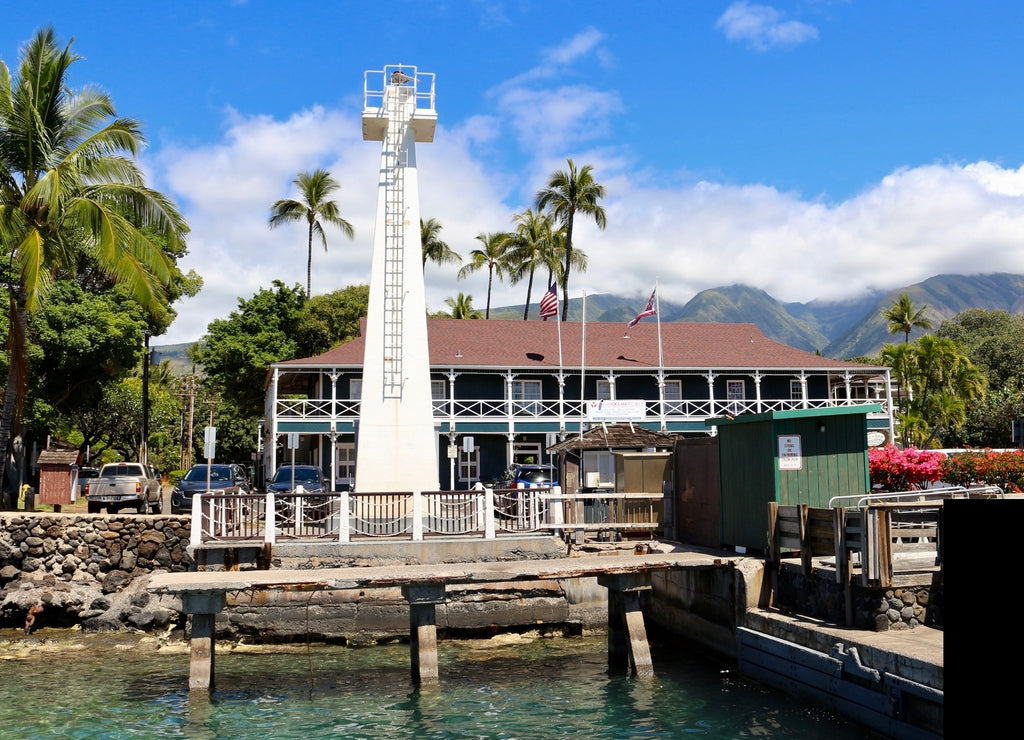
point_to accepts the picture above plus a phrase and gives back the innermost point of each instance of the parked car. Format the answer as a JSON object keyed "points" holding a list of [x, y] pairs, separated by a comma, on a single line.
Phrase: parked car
{"points": [[529, 475], [289, 478], [124, 485], [223, 478], [84, 476]]}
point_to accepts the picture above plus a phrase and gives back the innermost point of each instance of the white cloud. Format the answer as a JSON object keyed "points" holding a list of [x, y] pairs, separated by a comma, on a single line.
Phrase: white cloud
{"points": [[762, 27], [915, 223], [689, 236]]}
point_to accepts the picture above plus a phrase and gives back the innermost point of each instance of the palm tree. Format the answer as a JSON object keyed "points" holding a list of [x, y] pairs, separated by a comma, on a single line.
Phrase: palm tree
{"points": [[434, 249], [903, 316], [567, 193], [314, 189], [71, 193], [494, 256], [534, 245], [461, 307]]}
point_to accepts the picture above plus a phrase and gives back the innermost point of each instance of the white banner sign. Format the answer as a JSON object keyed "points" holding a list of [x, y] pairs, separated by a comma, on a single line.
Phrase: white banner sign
{"points": [[617, 410]]}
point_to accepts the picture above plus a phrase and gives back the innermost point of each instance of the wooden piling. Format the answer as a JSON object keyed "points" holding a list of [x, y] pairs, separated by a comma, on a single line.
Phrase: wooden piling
{"points": [[204, 607], [627, 635], [423, 599]]}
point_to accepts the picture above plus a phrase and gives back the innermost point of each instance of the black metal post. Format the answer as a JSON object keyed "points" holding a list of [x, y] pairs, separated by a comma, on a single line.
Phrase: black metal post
{"points": [[144, 451]]}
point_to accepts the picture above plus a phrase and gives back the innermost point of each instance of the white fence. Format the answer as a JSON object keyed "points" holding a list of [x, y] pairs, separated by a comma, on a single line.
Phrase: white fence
{"points": [[485, 513]]}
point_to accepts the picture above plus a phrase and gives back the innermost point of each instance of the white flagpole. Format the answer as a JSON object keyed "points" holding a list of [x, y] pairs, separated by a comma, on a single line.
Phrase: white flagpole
{"points": [[561, 374], [657, 309], [583, 363], [661, 357]]}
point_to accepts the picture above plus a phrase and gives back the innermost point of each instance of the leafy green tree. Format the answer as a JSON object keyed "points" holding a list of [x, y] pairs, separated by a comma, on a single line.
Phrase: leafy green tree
{"points": [[434, 249], [567, 193], [461, 307], [993, 340], [314, 207], [941, 384], [71, 193], [903, 317], [236, 352], [495, 256], [85, 339], [236, 435], [274, 325], [989, 422], [331, 319]]}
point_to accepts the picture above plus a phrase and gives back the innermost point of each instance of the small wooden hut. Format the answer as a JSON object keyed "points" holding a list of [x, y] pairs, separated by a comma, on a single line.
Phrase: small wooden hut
{"points": [[58, 477]]}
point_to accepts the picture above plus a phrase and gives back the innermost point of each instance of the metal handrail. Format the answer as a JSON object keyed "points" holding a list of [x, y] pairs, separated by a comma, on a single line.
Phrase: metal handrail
{"points": [[921, 494]]}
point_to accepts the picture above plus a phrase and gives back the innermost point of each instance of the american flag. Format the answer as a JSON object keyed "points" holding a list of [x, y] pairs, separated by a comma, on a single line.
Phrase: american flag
{"points": [[648, 311], [549, 303]]}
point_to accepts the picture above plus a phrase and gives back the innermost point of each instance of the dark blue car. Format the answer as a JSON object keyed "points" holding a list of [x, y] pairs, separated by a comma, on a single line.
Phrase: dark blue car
{"points": [[226, 478], [529, 475]]}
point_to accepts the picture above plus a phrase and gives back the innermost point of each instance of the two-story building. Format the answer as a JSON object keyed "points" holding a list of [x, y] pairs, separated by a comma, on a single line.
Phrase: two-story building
{"points": [[504, 391]]}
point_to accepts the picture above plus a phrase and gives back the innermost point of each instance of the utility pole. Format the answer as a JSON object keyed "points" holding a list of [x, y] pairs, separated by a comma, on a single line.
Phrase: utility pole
{"points": [[188, 390]]}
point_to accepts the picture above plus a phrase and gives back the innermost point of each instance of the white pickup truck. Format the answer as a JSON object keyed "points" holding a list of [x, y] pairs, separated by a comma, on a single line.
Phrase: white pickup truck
{"points": [[124, 485]]}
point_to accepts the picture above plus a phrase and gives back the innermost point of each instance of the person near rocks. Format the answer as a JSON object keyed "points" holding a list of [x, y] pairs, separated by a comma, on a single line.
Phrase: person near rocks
{"points": [[30, 618]]}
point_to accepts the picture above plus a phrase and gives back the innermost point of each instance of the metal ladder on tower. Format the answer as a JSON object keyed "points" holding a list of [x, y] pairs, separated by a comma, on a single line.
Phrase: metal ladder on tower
{"points": [[394, 239]]}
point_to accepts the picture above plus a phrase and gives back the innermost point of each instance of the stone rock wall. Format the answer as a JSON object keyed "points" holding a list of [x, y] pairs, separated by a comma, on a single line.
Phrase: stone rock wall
{"points": [[93, 571], [90, 570], [910, 605]]}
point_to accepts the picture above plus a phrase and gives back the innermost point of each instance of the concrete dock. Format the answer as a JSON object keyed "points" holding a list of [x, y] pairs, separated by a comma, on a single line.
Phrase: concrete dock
{"points": [[203, 595]]}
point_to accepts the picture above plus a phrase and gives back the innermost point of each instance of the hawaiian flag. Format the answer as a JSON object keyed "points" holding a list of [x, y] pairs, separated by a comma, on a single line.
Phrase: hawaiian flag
{"points": [[549, 303], [649, 310]]}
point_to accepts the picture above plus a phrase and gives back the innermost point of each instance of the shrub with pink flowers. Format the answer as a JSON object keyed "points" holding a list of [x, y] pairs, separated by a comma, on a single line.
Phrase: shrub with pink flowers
{"points": [[894, 469], [986, 467]]}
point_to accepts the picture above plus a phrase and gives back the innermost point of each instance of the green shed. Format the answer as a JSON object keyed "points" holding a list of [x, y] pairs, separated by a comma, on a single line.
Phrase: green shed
{"points": [[806, 456]]}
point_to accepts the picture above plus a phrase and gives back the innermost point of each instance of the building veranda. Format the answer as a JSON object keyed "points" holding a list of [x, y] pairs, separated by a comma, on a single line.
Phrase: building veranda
{"points": [[505, 391]]}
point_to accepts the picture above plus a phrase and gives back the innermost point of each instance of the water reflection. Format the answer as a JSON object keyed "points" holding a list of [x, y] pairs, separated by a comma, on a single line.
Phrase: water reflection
{"points": [[118, 686]]}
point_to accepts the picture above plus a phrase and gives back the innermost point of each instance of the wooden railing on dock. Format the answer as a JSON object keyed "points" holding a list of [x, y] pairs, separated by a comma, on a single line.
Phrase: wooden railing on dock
{"points": [[884, 536]]}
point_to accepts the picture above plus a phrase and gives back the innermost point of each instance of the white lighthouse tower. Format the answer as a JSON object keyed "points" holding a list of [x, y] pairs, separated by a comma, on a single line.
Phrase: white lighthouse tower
{"points": [[396, 445]]}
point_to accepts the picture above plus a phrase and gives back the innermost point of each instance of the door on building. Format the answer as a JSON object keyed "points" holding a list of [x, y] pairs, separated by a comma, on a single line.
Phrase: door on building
{"points": [[345, 472]]}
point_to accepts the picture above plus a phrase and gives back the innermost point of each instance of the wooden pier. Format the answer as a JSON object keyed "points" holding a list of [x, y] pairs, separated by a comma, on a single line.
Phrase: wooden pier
{"points": [[203, 595]]}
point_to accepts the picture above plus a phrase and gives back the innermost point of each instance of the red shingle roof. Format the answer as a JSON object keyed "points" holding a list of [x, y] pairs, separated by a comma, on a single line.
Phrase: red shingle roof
{"points": [[524, 344]]}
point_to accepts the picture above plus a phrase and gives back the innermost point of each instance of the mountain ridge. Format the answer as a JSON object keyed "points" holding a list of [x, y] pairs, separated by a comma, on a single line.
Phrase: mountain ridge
{"points": [[841, 330]]}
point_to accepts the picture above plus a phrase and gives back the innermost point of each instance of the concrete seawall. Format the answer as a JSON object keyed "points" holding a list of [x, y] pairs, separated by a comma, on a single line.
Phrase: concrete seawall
{"points": [[94, 571]]}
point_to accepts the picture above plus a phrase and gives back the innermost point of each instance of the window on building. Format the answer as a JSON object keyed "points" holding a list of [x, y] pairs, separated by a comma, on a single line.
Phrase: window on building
{"points": [[439, 389], [526, 397], [598, 469], [604, 390], [796, 391], [735, 390], [355, 388], [673, 390]]}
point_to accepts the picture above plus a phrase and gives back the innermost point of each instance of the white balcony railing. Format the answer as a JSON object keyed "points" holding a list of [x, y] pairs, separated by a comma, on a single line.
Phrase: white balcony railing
{"points": [[499, 409]]}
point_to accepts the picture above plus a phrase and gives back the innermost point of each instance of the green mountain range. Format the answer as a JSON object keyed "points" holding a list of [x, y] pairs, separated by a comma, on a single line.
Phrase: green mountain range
{"points": [[836, 329]]}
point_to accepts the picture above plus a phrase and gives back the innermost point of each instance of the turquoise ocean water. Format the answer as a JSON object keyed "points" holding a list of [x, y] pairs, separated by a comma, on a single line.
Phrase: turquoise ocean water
{"points": [[68, 685]]}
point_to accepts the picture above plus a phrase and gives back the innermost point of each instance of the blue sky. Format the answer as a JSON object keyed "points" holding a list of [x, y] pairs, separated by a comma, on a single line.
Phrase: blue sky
{"points": [[811, 148]]}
